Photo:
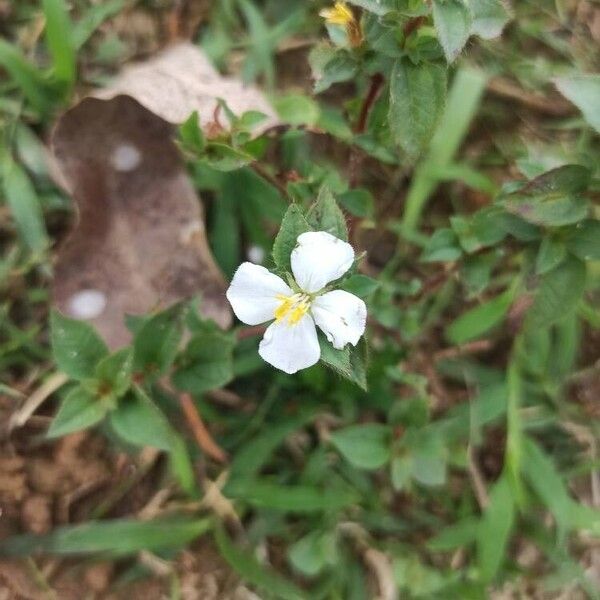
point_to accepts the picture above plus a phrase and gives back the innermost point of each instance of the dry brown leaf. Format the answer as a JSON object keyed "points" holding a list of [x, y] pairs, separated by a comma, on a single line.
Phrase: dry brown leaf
{"points": [[180, 80], [140, 241]]}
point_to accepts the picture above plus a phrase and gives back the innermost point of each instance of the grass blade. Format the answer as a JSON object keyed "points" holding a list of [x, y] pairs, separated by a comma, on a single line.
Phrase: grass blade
{"points": [[118, 537], [461, 107], [24, 205], [59, 37]]}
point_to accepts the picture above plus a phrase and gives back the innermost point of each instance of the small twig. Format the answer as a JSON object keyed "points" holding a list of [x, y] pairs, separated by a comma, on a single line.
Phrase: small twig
{"points": [[377, 562], [83, 490], [247, 332], [381, 567], [200, 431], [462, 350], [37, 398], [477, 480], [215, 501], [374, 89], [226, 398], [505, 88], [152, 508], [158, 566], [146, 460]]}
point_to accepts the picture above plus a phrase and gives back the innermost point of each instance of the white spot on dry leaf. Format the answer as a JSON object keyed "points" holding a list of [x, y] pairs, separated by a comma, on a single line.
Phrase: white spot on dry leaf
{"points": [[87, 304], [190, 230], [126, 157], [256, 254]]}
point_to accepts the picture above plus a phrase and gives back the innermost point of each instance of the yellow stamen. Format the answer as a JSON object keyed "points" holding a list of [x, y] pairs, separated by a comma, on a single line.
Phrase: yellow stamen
{"points": [[293, 307], [340, 14]]}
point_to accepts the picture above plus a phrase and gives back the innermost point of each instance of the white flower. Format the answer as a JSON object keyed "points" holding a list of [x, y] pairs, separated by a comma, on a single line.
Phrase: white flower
{"points": [[290, 342]]}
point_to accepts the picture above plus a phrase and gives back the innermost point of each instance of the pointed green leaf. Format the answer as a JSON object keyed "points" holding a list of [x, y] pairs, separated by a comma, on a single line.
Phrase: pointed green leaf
{"points": [[479, 320], [118, 537], [138, 420], [76, 346], [206, 363], [495, 529], [293, 224], [417, 98], [584, 92], [583, 240], [365, 446], [79, 410], [156, 342], [452, 20], [326, 215], [24, 205], [558, 293]]}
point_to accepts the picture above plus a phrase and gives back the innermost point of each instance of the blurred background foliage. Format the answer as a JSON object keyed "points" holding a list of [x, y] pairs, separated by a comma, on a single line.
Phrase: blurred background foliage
{"points": [[469, 467]]}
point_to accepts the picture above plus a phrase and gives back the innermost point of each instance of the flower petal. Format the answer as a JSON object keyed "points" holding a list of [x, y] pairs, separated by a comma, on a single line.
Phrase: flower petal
{"points": [[319, 258], [341, 315], [253, 293], [291, 347]]}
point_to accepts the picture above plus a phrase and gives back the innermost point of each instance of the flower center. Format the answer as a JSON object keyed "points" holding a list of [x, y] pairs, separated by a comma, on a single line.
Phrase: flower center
{"points": [[292, 308]]}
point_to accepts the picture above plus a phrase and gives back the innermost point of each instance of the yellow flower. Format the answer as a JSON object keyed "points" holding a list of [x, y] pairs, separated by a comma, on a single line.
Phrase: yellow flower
{"points": [[340, 14]]}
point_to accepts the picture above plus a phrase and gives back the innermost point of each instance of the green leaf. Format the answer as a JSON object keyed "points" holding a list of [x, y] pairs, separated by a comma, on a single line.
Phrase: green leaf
{"points": [[583, 240], [479, 320], [31, 81], [181, 466], [59, 37], [452, 20], [442, 246], [138, 421], [191, 134], [226, 158], [358, 202], [325, 215], [79, 410], [468, 86], [350, 362], [244, 563], [157, 340], [401, 471], [360, 285], [429, 461], [558, 294], [479, 230], [293, 224], [552, 199], [489, 18], [206, 363], [584, 92], [118, 537], [113, 373], [417, 98], [551, 253], [330, 65], [289, 498], [543, 477], [313, 552], [365, 446], [24, 205], [296, 109], [253, 455], [76, 346], [495, 529], [455, 536]]}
